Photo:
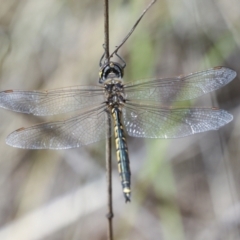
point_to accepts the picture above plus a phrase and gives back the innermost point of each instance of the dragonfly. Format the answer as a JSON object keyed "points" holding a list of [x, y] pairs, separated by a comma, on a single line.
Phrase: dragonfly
{"points": [[139, 109], [144, 109]]}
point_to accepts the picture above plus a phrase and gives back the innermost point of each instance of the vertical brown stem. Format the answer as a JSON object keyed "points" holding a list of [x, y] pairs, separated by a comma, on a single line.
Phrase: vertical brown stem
{"points": [[106, 29], [109, 180], [108, 133]]}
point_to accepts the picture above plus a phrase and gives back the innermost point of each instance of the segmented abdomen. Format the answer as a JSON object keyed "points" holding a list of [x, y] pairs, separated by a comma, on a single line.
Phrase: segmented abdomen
{"points": [[122, 154]]}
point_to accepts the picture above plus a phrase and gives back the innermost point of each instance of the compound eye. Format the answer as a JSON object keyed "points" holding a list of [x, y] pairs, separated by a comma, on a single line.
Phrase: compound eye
{"points": [[110, 71], [103, 74]]}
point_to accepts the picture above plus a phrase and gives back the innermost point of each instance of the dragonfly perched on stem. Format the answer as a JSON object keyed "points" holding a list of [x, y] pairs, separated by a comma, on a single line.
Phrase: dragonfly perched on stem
{"points": [[141, 109]]}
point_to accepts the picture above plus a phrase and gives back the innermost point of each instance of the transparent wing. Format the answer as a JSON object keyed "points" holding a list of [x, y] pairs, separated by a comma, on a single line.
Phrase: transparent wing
{"points": [[43, 103], [86, 128], [157, 122], [180, 88]]}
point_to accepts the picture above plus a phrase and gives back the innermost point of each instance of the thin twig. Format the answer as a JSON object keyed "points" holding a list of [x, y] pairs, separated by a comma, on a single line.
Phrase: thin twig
{"points": [[109, 179], [133, 28], [106, 29], [108, 133]]}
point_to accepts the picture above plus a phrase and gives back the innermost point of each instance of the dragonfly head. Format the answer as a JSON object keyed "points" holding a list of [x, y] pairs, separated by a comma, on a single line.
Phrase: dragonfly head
{"points": [[110, 70]]}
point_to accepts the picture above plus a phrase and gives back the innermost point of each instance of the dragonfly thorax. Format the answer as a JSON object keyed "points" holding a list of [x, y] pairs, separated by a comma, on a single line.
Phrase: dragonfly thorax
{"points": [[114, 91], [109, 71]]}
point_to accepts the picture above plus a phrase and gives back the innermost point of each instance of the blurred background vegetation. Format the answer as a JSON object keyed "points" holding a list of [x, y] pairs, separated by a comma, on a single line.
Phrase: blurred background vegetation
{"points": [[182, 189]]}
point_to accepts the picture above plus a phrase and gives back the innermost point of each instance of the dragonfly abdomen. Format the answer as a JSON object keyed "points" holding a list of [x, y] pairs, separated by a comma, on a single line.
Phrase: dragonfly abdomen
{"points": [[122, 154]]}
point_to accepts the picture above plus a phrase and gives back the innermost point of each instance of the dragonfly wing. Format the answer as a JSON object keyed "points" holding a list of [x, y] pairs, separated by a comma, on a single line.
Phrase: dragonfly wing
{"points": [[180, 88], [84, 129], [157, 122], [43, 103]]}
